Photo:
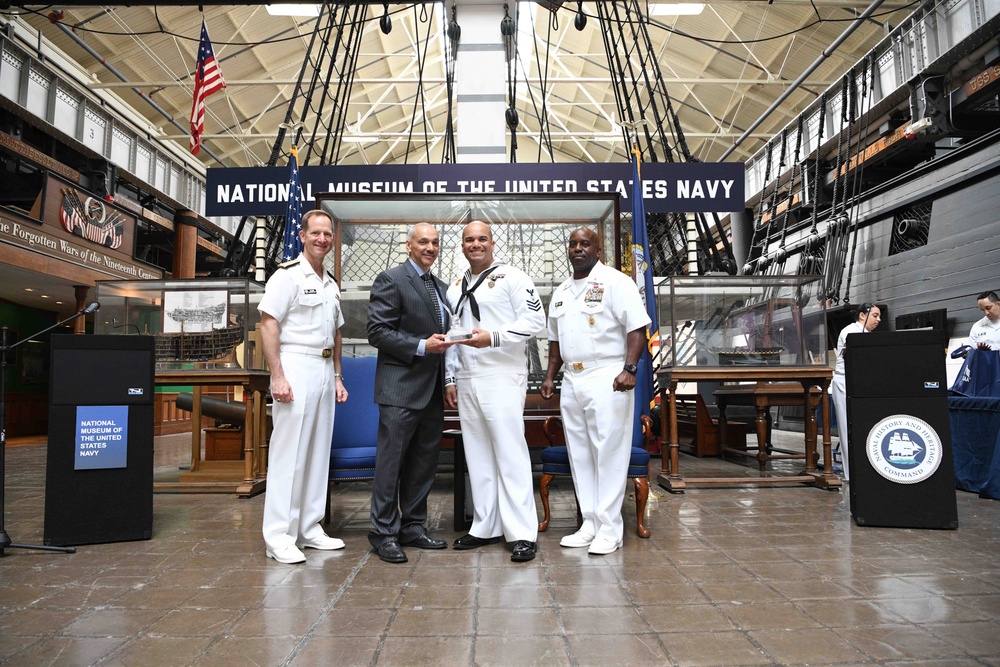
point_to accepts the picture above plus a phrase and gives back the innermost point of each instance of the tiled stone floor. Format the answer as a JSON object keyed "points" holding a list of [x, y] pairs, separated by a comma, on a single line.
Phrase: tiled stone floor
{"points": [[730, 576]]}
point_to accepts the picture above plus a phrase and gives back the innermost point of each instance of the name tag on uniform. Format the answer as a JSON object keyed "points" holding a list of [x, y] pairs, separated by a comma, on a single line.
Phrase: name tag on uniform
{"points": [[311, 290]]}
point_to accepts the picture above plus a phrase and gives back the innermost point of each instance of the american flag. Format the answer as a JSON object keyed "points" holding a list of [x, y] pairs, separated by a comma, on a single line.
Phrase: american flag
{"points": [[293, 215], [207, 80]]}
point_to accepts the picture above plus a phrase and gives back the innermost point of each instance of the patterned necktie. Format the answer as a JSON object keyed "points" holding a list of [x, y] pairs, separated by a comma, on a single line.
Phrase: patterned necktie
{"points": [[432, 291]]}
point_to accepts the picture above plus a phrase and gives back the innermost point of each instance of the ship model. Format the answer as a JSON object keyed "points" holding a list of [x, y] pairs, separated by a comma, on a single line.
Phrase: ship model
{"points": [[211, 345]]}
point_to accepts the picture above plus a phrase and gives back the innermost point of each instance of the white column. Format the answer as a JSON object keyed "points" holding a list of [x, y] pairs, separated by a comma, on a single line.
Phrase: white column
{"points": [[480, 82]]}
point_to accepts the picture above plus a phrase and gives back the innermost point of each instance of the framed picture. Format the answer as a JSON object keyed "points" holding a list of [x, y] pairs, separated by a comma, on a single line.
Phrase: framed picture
{"points": [[195, 311], [35, 363]]}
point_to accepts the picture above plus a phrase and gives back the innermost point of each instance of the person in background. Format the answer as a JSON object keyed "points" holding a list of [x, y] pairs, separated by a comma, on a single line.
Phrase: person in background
{"points": [[486, 378], [597, 325], [300, 331], [985, 334], [868, 317]]}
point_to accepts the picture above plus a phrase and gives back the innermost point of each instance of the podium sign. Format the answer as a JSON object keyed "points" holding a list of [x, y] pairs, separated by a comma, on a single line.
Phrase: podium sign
{"points": [[902, 472], [99, 472]]}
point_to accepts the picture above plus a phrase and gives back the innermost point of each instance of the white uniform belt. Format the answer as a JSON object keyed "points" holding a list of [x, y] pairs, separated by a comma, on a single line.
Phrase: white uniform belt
{"points": [[325, 352], [588, 364]]}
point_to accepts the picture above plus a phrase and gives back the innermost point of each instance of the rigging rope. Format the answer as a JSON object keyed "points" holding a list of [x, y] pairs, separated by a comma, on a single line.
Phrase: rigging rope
{"points": [[868, 93]]}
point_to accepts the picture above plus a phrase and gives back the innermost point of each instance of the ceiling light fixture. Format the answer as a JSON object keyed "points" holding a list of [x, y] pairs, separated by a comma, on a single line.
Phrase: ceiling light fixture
{"points": [[293, 10], [676, 8], [580, 22]]}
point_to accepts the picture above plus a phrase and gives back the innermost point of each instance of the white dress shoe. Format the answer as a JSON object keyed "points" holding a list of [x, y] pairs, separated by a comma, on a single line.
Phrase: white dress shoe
{"points": [[323, 543], [289, 555], [603, 545], [577, 540]]}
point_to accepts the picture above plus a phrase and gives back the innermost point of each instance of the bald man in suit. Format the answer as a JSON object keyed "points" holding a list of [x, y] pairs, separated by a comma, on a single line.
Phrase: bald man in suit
{"points": [[406, 321]]}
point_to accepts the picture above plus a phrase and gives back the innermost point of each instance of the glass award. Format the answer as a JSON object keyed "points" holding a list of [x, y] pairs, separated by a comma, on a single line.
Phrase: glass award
{"points": [[457, 332]]}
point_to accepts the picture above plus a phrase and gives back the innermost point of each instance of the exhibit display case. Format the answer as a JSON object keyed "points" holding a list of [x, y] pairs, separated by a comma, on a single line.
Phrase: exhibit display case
{"points": [[530, 232], [741, 321], [198, 323]]}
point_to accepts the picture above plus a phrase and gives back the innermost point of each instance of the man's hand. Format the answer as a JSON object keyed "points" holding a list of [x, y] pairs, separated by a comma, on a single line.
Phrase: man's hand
{"points": [[624, 382], [341, 391], [983, 346], [547, 388], [480, 338], [451, 397], [281, 390], [436, 344]]}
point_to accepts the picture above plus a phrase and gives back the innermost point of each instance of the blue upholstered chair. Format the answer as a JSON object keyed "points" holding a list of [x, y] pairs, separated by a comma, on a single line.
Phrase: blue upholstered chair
{"points": [[355, 426], [555, 461]]}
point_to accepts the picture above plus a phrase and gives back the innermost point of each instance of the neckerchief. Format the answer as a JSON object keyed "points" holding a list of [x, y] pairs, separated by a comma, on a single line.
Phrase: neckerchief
{"points": [[468, 292]]}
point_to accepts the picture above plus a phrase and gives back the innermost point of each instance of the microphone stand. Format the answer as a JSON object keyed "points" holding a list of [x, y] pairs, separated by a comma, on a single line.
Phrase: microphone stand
{"points": [[5, 541]]}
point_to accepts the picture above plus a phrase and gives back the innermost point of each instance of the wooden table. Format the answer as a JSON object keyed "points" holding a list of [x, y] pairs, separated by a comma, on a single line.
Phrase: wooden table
{"points": [[247, 477], [806, 377], [763, 396]]}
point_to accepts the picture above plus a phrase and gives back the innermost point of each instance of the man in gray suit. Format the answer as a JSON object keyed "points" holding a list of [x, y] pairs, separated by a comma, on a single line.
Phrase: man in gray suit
{"points": [[406, 322]]}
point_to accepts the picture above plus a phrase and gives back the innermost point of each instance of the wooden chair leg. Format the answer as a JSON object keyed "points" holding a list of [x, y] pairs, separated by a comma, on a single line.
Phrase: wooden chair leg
{"points": [[543, 491], [641, 496]]}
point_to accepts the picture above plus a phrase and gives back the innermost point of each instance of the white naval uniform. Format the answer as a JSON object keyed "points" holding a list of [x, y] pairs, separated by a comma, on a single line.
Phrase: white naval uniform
{"points": [[591, 320], [840, 394], [308, 312], [492, 383], [985, 331]]}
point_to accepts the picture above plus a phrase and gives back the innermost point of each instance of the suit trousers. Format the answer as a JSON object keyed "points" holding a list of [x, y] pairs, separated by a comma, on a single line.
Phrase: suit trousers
{"points": [[408, 444], [491, 409], [298, 462], [597, 421], [839, 386]]}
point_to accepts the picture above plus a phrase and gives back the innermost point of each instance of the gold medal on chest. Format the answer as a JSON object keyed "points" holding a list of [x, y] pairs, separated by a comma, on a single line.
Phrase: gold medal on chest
{"points": [[591, 318], [491, 284]]}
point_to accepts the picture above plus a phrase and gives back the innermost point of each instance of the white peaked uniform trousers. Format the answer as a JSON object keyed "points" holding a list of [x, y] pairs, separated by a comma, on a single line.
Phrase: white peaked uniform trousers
{"points": [[492, 409], [298, 462], [839, 386], [598, 425]]}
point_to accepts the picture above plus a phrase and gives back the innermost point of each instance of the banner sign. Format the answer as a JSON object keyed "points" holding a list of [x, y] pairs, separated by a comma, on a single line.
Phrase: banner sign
{"points": [[101, 437], [681, 187]]}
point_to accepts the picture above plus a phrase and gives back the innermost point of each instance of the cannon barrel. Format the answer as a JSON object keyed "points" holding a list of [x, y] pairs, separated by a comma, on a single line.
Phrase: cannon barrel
{"points": [[233, 412]]}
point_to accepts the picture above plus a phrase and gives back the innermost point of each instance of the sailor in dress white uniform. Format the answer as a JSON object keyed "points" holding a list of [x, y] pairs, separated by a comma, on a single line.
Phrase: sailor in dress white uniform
{"points": [[597, 325], [487, 379]]}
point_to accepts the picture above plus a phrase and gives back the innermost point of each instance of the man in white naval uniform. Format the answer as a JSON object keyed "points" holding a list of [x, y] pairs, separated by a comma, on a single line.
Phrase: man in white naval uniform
{"points": [[486, 378], [868, 318], [985, 333], [300, 322], [597, 325]]}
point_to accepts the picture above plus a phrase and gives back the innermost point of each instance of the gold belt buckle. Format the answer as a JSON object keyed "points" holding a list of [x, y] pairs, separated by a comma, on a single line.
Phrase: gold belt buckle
{"points": [[327, 353], [577, 366]]}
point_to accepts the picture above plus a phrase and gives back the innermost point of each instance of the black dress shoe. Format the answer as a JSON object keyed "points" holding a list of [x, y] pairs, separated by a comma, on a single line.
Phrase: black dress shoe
{"points": [[391, 552], [523, 551], [470, 541], [425, 541]]}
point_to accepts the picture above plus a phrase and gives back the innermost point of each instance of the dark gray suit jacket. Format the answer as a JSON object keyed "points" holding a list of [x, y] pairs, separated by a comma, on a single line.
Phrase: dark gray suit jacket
{"points": [[400, 315]]}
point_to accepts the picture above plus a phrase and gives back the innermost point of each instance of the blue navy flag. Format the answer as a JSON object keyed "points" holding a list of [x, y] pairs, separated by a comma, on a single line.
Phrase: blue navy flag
{"points": [[293, 214], [642, 273]]}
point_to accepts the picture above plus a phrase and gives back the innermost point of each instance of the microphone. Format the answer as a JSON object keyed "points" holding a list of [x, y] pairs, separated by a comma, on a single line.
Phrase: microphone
{"points": [[95, 305]]}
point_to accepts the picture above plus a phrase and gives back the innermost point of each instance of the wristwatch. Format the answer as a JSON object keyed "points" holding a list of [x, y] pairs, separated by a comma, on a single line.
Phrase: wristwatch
{"points": [[630, 368]]}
